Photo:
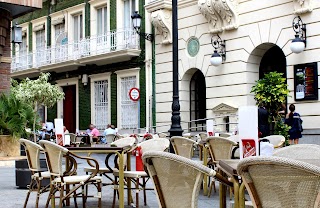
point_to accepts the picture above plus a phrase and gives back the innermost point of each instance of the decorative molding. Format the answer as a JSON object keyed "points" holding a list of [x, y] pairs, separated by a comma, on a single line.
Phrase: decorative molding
{"points": [[221, 14], [158, 4], [162, 21], [302, 6], [223, 108]]}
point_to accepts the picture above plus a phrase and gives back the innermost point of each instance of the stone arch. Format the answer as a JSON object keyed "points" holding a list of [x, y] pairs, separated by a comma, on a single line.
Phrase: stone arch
{"points": [[190, 98], [264, 58]]}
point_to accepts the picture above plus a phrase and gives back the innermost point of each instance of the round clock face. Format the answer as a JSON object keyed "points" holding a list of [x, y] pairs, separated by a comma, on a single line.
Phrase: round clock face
{"points": [[134, 94]]}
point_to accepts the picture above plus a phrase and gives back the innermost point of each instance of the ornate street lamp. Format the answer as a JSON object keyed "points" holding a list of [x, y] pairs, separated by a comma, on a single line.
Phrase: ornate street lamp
{"points": [[218, 57], [136, 22], [299, 43], [175, 129]]}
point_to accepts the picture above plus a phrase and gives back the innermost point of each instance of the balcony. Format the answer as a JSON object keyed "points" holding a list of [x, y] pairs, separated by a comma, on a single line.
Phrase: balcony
{"points": [[112, 47]]}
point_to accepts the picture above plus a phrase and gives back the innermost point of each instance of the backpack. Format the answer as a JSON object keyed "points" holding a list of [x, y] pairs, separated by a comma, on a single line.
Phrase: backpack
{"points": [[299, 122]]}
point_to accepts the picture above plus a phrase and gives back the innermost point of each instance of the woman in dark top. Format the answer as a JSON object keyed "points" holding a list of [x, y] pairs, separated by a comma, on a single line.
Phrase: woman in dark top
{"points": [[292, 120]]}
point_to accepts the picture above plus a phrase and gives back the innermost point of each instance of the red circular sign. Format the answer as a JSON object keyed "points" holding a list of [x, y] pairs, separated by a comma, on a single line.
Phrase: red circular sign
{"points": [[134, 94]]}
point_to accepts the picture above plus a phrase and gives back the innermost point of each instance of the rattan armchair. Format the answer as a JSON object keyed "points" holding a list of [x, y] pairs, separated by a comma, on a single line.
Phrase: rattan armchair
{"points": [[276, 140], [177, 179], [220, 148], [59, 178], [183, 146], [162, 135], [160, 144], [299, 151], [277, 182], [110, 138], [104, 171], [33, 152]]}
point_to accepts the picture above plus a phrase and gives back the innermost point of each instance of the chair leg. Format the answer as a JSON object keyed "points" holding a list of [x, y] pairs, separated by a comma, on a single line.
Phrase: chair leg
{"points": [[38, 192], [137, 193], [99, 194], [61, 196], [210, 188], [52, 192], [144, 191], [28, 194], [75, 198], [115, 183], [83, 197]]}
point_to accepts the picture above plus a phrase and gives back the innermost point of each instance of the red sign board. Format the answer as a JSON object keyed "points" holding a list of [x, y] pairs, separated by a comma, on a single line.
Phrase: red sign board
{"points": [[134, 94], [249, 147]]}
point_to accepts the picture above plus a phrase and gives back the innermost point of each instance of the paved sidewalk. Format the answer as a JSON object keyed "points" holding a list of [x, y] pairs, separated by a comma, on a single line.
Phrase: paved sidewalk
{"points": [[12, 197]]}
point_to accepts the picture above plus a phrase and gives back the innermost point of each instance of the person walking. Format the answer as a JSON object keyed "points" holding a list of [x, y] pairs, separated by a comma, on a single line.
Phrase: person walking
{"points": [[294, 121]]}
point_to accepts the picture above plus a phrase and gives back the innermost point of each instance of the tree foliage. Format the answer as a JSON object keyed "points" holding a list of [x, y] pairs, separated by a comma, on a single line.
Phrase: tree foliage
{"points": [[272, 92], [37, 92]]}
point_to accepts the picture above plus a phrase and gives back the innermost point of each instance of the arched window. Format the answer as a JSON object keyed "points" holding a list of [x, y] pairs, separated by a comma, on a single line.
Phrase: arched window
{"points": [[197, 102]]}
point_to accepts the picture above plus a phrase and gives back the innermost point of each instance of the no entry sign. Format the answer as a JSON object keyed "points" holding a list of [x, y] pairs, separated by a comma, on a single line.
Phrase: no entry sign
{"points": [[134, 94]]}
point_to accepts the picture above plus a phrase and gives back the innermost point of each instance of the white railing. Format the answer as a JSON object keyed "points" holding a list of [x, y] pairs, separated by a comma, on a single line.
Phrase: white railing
{"points": [[91, 46]]}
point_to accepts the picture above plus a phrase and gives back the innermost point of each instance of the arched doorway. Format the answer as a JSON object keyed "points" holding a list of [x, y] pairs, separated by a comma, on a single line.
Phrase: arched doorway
{"points": [[273, 60], [198, 105]]}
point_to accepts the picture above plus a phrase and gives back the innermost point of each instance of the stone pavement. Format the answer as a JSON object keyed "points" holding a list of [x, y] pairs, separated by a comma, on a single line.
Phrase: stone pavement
{"points": [[12, 197]]}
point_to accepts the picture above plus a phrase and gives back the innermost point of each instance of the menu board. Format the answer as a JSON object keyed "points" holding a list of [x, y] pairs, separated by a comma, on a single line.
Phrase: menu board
{"points": [[306, 81]]}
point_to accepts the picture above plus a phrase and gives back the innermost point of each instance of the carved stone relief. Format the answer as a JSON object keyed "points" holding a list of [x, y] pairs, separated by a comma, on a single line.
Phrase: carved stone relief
{"points": [[162, 21], [221, 14], [302, 6]]}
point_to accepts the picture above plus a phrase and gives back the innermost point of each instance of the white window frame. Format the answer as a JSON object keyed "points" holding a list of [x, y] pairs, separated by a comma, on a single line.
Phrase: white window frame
{"points": [[95, 78], [36, 25], [120, 16], [122, 74], [56, 18], [95, 5], [72, 11], [67, 82]]}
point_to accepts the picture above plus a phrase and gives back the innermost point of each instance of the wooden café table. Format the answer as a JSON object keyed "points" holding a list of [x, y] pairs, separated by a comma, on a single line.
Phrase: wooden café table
{"points": [[107, 149]]}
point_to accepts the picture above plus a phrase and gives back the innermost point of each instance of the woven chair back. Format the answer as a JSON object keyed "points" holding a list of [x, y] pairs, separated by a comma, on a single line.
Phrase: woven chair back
{"points": [[220, 148], [183, 146], [299, 151], [280, 182], [33, 152], [54, 156]]}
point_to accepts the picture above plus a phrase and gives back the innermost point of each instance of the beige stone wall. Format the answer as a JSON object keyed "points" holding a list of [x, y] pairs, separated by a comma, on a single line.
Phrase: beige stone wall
{"points": [[261, 25]]}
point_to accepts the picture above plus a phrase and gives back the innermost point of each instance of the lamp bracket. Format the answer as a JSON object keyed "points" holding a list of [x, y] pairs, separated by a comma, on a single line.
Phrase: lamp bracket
{"points": [[146, 36], [300, 29], [219, 44]]}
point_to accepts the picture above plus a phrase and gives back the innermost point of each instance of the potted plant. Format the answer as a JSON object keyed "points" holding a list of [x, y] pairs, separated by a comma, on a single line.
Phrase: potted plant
{"points": [[272, 91], [14, 119]]}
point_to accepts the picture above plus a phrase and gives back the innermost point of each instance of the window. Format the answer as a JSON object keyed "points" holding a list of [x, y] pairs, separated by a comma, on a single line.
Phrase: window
{"points": [[101, 104], [129, 109], [23, 45], [102, 21], [40, 39], [58, 29], [129, 8], [77, 28]]}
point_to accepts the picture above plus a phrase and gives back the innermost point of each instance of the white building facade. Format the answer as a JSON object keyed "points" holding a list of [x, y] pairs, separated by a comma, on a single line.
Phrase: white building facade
{"points": [[257, 36]]}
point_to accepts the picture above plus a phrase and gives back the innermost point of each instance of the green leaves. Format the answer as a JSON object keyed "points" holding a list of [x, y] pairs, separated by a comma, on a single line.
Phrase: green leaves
{"points": [[38, 92], [271, 91], [15, 116]]}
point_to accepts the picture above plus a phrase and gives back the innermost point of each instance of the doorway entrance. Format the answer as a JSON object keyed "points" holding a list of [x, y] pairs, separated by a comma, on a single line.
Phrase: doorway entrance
{"points": [[69, 107], [273, 60], [198, 106]]}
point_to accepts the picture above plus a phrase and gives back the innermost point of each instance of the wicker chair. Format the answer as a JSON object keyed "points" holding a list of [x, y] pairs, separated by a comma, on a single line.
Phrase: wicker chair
{"points": [[225, 135], [37, 174], [110, 138], [219, 149], [104, 171], [299, 151], [162, 135], [183, 146], [276, 140], [54, 155], [160, 144], [177, 179], [274, 182], [203, 136]]}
